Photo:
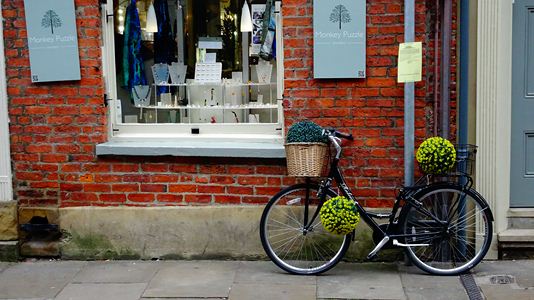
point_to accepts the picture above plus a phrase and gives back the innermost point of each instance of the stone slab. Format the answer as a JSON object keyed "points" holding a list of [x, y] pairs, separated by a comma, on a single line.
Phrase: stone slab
{"points": [[521, 270], [166, 233], [193, 279], [9, 251], [8, 221], [5, 265], [517, 235], [272, 291], [117, 272], [95, 291], [361, 281], [496, 292], [252, 272], [37, 279], [419, 285]]}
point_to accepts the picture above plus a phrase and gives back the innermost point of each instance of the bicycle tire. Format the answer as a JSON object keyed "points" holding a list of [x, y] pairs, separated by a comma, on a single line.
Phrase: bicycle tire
{"points": [[286, 242], [456, 248]]}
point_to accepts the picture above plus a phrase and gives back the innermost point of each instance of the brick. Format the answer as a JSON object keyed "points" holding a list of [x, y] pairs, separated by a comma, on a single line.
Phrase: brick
{"points": [[182, 188], [211, 189], [173, 198], [226, 199], [141, 197], [197, 199]]}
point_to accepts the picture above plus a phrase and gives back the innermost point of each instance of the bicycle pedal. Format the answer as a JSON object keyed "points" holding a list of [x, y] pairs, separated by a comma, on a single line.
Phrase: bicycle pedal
{"points": [[372, 257]]}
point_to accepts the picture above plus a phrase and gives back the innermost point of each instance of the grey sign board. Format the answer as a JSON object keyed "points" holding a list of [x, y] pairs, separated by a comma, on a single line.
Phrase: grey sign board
{"points": [[339, 38], [52, 40]]}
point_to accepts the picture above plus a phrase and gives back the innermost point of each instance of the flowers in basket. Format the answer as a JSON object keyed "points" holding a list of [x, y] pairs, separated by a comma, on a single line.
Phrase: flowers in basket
{"points": [[339, 215], [436, 156], [306, 150], [305, 132]]}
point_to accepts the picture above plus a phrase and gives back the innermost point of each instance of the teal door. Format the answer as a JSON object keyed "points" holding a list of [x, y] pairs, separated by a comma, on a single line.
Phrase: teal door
{"points": [[522, 158]]}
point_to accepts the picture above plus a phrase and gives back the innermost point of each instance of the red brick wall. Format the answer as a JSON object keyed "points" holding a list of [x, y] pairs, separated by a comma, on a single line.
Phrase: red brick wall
{"points": [[55, 126], [372, 109]]}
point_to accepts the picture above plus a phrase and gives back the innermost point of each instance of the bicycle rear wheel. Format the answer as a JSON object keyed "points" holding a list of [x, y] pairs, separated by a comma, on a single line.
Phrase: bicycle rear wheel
{"points": [[455, 236], [286, 240]]}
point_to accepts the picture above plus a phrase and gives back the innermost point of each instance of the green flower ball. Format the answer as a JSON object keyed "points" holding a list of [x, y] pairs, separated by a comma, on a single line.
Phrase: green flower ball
{"points": [[339, 215], [306, 132], [436, 155]]}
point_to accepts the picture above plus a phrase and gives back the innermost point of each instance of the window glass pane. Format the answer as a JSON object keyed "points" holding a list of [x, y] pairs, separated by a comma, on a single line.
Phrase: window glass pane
{"points": [[190, 70]]}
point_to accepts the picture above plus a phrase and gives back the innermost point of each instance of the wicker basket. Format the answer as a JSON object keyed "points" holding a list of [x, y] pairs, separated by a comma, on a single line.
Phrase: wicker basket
{"points": [[306, 159]]}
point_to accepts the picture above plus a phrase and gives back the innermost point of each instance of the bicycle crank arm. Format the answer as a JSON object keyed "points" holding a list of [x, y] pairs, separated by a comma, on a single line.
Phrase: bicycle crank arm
{"points": [[396, 243], [373, 253]]}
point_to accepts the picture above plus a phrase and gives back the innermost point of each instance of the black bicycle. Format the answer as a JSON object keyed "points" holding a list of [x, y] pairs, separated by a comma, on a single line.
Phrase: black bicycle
{"points": [[445, 226]]}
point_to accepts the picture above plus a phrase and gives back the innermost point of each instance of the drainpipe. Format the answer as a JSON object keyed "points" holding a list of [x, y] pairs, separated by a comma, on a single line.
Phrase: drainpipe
{"points": [[409, 92], [445, 67], [463, 104], [436, 69]]}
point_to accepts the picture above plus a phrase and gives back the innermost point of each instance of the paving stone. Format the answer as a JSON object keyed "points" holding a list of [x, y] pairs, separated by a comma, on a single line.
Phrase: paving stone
{"points": [[419, 285], [117, 272], [500, 292], [521, 270], [193, 279], [268, 273], [361, 281], [272, 291], [5, 265], [99, 291], [37, 279]]}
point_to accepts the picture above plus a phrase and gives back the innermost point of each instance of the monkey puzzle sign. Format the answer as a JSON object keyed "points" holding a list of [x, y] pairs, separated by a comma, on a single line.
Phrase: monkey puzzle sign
{"points": [[339, 38], [52, 40]]}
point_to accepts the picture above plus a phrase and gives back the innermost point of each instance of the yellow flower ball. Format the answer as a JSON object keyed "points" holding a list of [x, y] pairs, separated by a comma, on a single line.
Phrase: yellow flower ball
{"points": [[436, 155], [339, 215]]}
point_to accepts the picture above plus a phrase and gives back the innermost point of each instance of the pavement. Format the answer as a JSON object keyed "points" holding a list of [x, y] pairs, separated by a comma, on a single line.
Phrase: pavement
{"points": [[256, 280]]}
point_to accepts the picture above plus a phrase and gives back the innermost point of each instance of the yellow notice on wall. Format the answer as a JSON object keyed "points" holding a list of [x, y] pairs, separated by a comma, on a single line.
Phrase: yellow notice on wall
{"points": [[410, 62]]}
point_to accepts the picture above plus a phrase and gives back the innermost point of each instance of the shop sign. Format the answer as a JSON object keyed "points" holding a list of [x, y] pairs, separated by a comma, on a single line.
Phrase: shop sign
{"points": [[339, 38], [52, 40]]}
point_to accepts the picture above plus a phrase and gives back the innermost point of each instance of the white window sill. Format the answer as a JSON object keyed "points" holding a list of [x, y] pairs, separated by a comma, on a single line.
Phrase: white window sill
{"points": [[193, 147]]}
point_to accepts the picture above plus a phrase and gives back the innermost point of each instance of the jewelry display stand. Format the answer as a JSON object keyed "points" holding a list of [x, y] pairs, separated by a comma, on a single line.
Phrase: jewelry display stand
{"points": [[177, 72], [264, 70], [160, 73], [141, 95]]}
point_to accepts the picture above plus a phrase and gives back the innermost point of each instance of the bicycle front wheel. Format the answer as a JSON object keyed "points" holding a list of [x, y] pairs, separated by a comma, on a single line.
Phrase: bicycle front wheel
{"points": [[451, 229], [296, 245]]}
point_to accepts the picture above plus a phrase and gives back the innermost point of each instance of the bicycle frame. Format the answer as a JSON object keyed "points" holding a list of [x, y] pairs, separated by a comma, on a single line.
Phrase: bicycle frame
{"points": [[389, 233]]}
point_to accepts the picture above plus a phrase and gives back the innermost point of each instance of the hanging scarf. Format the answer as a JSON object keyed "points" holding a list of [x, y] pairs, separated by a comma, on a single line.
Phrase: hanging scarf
{"points": [[132, 64], [268, 31], [164, 45]]}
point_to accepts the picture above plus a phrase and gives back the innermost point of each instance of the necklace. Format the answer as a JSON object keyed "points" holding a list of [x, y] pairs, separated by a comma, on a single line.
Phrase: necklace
{"points": [[161, 73], [143, 90]]}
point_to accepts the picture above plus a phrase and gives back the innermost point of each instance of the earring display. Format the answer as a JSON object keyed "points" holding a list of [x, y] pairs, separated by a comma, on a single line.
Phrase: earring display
{"points": [[141, 95], [208, 72], [160, 73], [177, 72]]}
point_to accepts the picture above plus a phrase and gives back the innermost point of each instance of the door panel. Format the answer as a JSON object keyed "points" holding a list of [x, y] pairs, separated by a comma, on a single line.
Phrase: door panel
{"points": [[522, 152]]}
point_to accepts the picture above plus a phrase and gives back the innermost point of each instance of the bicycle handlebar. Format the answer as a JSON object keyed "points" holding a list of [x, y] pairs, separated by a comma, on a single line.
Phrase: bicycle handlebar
{"points": [[344, 135], [333, 132]]}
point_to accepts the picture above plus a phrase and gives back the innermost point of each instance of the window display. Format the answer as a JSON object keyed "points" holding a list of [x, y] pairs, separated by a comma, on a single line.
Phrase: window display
{"points": [[189, 70]]}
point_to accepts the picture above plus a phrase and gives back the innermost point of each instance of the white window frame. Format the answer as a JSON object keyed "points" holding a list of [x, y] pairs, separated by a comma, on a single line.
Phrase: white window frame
{"points": [[6, 189], [151, 133]]}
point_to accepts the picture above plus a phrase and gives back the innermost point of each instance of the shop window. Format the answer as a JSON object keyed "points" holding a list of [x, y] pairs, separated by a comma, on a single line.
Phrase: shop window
{"points": [[186, 68]]}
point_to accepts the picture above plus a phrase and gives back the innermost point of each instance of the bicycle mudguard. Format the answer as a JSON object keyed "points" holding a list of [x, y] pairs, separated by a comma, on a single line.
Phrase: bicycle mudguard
{"points": [[439, 185]]}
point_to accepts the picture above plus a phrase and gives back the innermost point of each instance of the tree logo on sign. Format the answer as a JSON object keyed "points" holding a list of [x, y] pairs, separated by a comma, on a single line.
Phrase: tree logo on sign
{"points": [[51, 19], [340, 14]]}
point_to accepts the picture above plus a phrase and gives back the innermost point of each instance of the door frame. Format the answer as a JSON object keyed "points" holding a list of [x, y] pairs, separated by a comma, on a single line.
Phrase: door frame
{"points": [[494, 109]]}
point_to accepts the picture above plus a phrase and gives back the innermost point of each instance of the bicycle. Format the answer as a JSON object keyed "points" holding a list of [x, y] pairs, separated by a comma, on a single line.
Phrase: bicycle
{"points": [[445, 227]]}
